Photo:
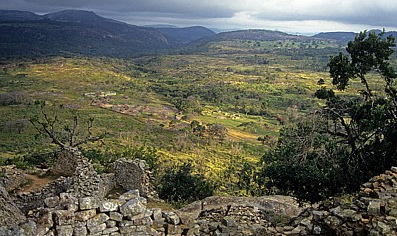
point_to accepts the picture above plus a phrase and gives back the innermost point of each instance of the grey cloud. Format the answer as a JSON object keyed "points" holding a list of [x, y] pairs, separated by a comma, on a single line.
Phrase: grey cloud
{"points": [[190, 9], [360, 12], [363, 14]]}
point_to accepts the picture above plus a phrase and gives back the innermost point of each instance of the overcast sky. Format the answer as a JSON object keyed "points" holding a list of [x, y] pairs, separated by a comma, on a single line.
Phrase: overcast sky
{"points": [[305, 16]]}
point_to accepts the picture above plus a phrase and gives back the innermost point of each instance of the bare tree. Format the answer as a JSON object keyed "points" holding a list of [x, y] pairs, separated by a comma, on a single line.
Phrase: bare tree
{"points": [[62, 134]]}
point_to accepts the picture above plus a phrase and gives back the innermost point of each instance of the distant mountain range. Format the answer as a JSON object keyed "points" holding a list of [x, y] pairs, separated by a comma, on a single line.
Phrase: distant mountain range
{"points": [[83, 32], [75, 32], [347, 36]]}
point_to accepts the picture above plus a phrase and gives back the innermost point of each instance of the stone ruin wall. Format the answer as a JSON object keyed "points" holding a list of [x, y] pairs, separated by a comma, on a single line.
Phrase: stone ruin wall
{"points": [[84, 211]]}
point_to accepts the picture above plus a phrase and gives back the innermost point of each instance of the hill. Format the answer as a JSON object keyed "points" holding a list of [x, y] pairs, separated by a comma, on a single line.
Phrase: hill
{"points": [[72, 32], [186, 35], [345, 37], [339, 36], [10, 15], [257, 35]]}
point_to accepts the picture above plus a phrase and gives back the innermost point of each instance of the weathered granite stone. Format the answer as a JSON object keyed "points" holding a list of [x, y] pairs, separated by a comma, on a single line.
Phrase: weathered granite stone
{"points": [[373, 208], [132, 207], [157, 214], [64, 217], [171, 217], [93, 229], [128, 230], [80, 230], [10, 215], [64, 230], [110, 230], [130, 194], [85, 215], [97, 220], [51, 202], [107, 206], [143, 221], [126, 170], [45, 223], [111, 223], [87, 203], [126, 223], [29, 228], [116, 216]]}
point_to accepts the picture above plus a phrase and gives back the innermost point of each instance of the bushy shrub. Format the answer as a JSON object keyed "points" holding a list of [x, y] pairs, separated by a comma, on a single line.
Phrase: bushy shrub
{"points": [[180, 185], [14, 98]]}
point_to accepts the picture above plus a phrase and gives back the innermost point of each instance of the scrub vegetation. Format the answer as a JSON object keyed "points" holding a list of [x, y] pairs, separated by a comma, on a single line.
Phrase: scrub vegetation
{"points": [[224, 112]]}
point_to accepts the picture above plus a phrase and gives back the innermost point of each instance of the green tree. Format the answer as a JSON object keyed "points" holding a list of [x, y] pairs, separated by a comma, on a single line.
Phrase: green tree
{"points": [[351, 139], [306, 162], [367, 123]]}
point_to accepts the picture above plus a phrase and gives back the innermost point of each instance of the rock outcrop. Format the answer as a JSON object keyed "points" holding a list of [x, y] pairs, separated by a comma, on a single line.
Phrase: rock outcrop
{"points": [[137, 170], [10, 215]]}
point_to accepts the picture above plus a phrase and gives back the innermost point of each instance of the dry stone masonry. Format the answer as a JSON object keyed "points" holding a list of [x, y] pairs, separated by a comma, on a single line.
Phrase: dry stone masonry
{"points": [[76, 205], [11, 178]]}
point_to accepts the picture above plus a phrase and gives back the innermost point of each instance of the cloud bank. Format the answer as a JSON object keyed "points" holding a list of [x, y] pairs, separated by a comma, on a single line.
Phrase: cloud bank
{"points": [[306, 16]]}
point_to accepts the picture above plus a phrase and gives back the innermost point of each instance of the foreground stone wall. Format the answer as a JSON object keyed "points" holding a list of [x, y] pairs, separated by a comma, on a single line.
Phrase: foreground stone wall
{"points": [[128, 215], [82, 210], [373, 212], [28, 201]]}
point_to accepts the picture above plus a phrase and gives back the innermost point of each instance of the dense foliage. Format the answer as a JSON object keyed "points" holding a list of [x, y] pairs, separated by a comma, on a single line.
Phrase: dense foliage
{"points": [[180, 185], [352, 138]]}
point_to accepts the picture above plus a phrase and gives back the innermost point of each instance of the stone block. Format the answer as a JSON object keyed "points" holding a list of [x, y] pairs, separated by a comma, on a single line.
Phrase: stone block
{"points": [[116, 216], [319, 215], [141, 228], [64, 230], [132, 207], [110, 230], [128, 230], [374, 208], [51, 202], [29, 228], [115, 234], [80, 230], [171, 217], [129, 195], [157, 214], [93, 229], [317, 230], [383, 228], [63, 217], [85, 215], [107, 206], [333, 222], [88, 203], [45, 223], [97, 220], [110, 223], [126, 223], [143, 221], [173, 229]]}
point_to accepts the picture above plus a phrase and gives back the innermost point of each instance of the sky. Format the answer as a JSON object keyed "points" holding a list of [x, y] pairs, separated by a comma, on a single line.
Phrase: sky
{"points": [[292, 16]]}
